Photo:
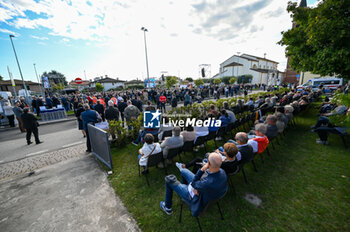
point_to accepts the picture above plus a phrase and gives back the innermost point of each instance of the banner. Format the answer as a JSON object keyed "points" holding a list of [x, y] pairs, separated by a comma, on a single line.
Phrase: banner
{"points": [[151, 83], [45, 82]]}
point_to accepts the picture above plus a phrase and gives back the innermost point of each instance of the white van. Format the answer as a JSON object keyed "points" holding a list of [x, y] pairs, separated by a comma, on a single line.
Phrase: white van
{"points": [[330, 83], [5, 94]]}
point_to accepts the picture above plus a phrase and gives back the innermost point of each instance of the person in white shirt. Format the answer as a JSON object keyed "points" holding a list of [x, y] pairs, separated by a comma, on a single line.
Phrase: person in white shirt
{"points": [[201, 131], [9, 113], [149, 148]]}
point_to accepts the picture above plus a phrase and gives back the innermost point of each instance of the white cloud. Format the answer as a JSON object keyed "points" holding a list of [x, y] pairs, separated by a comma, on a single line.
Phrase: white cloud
{"points": [[9, 32], [39, 38], [182, 34]]}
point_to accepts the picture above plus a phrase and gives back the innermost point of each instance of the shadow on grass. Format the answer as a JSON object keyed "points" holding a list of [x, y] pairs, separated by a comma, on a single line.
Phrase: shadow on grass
{"points": [[303, 187]]}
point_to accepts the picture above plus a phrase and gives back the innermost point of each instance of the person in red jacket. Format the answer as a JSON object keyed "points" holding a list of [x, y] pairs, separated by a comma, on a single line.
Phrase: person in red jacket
{"points": [[260, 141]]}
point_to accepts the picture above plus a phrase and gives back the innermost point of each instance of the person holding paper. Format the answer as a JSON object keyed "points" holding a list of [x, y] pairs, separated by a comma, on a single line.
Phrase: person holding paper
{"points": [[198, 190]]}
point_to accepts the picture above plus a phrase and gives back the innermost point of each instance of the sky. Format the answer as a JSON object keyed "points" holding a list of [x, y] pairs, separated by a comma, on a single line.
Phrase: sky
{"points": [[104, 37]]}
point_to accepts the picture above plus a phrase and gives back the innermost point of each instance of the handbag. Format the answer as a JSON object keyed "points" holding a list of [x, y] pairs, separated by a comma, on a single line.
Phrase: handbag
{"points": [[151, 151]]}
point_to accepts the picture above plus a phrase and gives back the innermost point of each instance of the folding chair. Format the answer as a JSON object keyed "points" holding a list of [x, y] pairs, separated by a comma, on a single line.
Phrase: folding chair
{"points": [[188, 146], [173, 152], [201, 141], [152, 161], [207, 207]]}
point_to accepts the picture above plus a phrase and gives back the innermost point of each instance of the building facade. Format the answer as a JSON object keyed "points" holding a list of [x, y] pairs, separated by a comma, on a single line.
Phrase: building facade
{"points": [[108, 83], [263, 71], [6, 85]]}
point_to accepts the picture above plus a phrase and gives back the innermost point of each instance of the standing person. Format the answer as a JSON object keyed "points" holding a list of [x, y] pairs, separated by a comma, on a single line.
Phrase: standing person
{"points": [[111, 112], [131, 113], [100, 109], [30, 123], [48, 102], [9, 114], [78, 113], [121, 107], [89, 116], [18, 112], [174, 101]]}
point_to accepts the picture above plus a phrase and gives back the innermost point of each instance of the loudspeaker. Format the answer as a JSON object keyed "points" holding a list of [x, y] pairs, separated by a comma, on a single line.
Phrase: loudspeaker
{"points": [[203, 72]]}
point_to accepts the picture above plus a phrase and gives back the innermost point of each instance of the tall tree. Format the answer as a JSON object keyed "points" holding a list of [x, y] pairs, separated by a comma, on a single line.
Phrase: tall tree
{"points": [[189, 79], [55, 77], [170, 81], [1, 78], [199, 82], [320, 43]]}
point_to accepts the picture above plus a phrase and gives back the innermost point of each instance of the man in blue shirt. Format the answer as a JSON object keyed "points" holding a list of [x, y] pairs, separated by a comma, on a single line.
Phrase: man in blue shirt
{"points": [[89, 116], [198, 190]]}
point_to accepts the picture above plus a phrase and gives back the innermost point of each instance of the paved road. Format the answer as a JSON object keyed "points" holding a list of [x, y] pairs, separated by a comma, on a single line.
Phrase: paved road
{"points": [[55, 136]]}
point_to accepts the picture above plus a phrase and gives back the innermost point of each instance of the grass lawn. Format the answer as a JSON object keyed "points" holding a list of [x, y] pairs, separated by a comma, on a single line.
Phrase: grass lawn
{"points": [[303, 187]]}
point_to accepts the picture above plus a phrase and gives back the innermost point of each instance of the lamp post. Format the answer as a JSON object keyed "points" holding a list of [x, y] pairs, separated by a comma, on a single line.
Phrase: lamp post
{"points": [[238, 53], [19, 67], [37, 77], [144, 37]]}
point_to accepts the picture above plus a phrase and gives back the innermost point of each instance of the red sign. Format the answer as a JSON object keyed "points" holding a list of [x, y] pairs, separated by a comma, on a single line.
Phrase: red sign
{"points": [[162, 99], [78, 80]]}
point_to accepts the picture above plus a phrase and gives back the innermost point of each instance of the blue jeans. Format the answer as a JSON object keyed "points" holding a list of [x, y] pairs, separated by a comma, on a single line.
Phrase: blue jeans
{"points": [[181, 189]]}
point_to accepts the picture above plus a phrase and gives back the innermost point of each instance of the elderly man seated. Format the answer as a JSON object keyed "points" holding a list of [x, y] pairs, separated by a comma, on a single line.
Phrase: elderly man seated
{"points": [[173, 142], [260, 142], [196, 190], [271, 129]]}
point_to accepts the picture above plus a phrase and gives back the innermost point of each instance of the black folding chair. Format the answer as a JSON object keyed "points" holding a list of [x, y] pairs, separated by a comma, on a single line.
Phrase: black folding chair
{"points": [[212, 136], [201, 141], [167, 134], [207, 207], [153, 160], [173, 152], [188, 146], [221, 132]]}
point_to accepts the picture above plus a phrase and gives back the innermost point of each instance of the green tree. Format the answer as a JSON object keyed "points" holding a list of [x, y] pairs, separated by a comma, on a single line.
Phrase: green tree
{"points": [[189, 79], [232, 80], [55, 77], [57, 87], [320, 41], [244, 79], [1, 78], [226, 80], [198, 82], [217, 81], [99, 87], [170, 81]]}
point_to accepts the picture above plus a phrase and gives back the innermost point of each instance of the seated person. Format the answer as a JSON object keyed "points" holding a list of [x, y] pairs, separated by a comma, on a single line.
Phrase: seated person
{"points": [[280, 122], [229, 161], [271, 129], [212, 127], [188, 134], [246, 153], [163, 128], [260, 142], [201, 131], [149, 148], [172, 142], [225, 118], [213, 111], [288, 111], [230, 113], [323, 126], [196, 191]]}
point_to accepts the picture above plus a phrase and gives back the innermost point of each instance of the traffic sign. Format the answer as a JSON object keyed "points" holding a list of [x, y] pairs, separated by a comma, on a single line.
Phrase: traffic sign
{"points": [[78, 80]]}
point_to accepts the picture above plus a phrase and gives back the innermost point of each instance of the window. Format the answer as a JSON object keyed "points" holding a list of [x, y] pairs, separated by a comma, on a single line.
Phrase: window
{"points": [[254, 66]]}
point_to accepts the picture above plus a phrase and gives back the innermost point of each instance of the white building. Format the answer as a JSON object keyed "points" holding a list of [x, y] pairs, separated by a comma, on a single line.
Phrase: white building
{"points": [[264, 71], [108, 83]]}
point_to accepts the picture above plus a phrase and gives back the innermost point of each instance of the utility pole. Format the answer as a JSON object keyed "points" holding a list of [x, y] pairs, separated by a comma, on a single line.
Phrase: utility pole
{"points": [[37, 77], [19, 67], [144, 37]]}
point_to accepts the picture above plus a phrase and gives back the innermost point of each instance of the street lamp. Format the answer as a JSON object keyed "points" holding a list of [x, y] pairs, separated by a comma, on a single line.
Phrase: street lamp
{"points": [[238, 53], [36, 73], [19, 67], [144, 36]]}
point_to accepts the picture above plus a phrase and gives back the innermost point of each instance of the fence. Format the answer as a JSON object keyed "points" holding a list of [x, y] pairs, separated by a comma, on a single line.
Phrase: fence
{"points": [[100, 145]]}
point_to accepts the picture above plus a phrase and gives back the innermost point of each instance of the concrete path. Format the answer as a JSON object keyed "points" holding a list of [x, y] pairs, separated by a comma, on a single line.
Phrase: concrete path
{"points": [[73, 195]]}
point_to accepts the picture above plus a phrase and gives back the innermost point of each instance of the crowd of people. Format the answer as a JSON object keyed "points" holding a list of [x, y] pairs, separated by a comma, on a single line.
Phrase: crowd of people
{"points": [[207, 179]]}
